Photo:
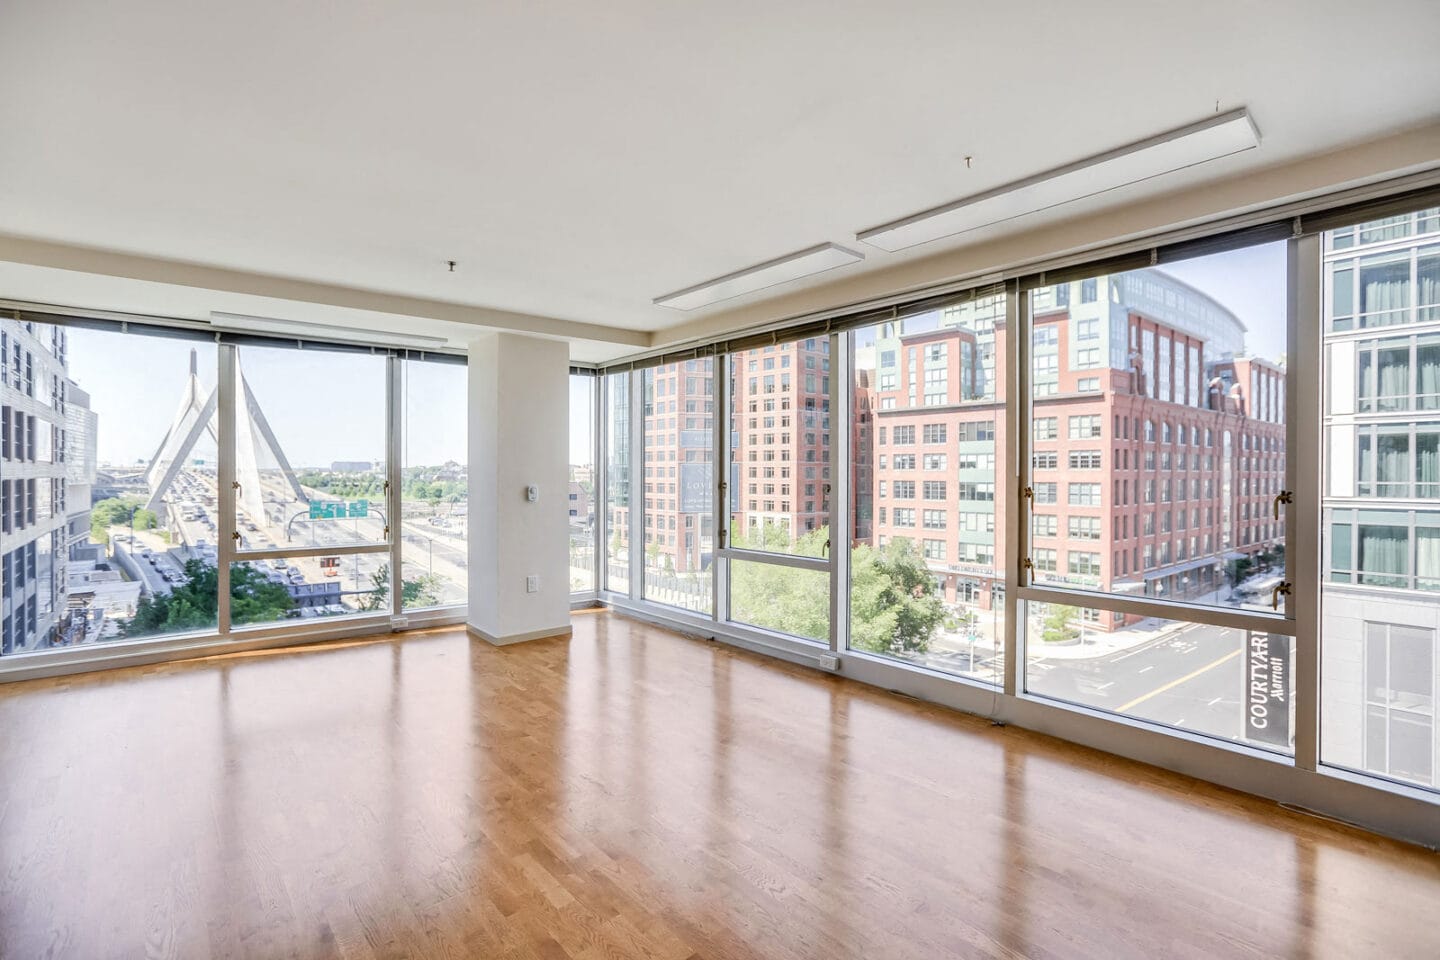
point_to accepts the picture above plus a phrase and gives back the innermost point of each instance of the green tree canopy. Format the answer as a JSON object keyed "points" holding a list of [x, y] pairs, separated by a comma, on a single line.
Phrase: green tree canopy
{"points": [[116, 511], [1059, 625], [894, 607], [419, 592], [195, 605]]}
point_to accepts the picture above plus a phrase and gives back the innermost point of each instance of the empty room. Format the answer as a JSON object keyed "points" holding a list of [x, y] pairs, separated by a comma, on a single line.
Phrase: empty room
{"points": [[719, 481]]}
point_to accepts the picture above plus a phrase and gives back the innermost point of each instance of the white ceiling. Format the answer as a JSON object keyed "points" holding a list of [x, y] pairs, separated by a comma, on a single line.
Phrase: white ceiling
{"points": [[580, 159]]}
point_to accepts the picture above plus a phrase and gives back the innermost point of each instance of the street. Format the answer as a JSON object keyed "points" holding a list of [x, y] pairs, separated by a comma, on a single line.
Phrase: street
{"points": [[1191, 677]]}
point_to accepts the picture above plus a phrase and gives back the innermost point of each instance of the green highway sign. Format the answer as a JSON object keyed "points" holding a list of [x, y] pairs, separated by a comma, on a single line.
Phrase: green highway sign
{"points": [[338, 509]]}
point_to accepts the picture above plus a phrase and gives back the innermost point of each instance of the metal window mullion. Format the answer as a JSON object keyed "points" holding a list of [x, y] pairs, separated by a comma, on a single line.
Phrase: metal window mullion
{"points": [[1226, 617], [394, 444], [597, 495], [326, 550], [720, 486], [1303, 474], [225, 480], [798, 561], [1018, 424], [842, 413]]}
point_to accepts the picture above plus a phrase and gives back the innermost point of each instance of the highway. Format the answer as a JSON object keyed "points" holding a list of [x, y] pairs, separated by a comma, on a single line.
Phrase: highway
{"points": [[431, 549]]}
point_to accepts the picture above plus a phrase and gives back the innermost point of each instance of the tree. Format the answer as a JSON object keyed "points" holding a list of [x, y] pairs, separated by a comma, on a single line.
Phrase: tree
{"points": [[117, 511], [419, 592], [893, 604], [195, 604], [1059, 624], [894, 607], [1239, 569], [782, 598]]}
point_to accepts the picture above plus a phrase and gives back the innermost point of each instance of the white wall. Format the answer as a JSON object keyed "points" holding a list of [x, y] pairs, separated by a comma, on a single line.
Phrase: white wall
{"points": [[519, 429]]}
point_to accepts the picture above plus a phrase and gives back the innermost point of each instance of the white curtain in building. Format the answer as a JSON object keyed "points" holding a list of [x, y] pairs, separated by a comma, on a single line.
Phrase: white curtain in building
{"points": [[1427, 557], [1382, 555], [1384, 287], [1427, 375], [1393, 465], [1394, 376], [1427, 281], [1427, 464]]}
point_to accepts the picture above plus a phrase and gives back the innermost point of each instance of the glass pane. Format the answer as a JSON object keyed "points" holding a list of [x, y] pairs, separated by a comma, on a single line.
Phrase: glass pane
{"points": [[1378, 655], [1210, 680], [304, 588], [617, 480], [779, 598], [927, 582], [580, 497], [679, 484], [1162, 481], [779, 468], [107, 486], [435, 487], [311, 468]]}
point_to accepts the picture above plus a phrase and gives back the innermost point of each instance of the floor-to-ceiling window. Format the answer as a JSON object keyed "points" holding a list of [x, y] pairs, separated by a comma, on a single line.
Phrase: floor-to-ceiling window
{"points": [[1380, 556], [678, 528], [107, 471], [927, 412], [139, 458], [580, 504], [312, 479], [1155, 471], [778, 483], [615, 427], [434, 482]]}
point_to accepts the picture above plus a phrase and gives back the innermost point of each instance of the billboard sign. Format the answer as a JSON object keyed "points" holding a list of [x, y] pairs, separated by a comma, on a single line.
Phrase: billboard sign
{"points": [[697, 485], [1267, 689]]}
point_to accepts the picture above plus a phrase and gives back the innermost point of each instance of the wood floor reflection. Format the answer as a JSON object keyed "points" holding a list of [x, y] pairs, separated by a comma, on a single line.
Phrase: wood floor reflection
{"points": [[631, 793]]}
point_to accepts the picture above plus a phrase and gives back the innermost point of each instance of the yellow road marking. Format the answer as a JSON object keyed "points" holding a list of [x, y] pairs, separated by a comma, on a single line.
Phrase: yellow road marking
{"points": [[1175, 683]]}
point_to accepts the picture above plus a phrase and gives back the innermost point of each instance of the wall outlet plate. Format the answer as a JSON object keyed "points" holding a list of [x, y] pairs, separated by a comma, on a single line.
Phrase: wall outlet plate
{"points": [[398, 623], [532, 584], [828, 661], [532, 493]]}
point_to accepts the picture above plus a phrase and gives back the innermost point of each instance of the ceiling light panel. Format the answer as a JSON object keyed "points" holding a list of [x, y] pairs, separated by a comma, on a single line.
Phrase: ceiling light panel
{"points": [[1220, 136], [827, 256]]}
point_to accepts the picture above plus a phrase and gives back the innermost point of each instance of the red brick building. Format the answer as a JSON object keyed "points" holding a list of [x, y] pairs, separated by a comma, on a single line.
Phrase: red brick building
{"points": [[1154, 463]]}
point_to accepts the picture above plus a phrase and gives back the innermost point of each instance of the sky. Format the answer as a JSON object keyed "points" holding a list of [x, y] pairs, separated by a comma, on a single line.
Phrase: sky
{"points": [[326, 406]]}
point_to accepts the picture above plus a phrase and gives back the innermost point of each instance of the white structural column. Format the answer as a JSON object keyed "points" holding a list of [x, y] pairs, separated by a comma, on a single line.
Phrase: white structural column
{"points": [[519, 438]]}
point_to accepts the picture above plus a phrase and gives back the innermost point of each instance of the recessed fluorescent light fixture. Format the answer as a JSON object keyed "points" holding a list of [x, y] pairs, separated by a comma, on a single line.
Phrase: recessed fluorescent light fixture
{"points": [[1219, 136], [242, 323], [827, 256]]}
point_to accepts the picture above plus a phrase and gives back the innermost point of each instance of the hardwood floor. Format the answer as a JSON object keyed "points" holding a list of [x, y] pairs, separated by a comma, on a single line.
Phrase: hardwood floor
{"points": [[630, 793]]}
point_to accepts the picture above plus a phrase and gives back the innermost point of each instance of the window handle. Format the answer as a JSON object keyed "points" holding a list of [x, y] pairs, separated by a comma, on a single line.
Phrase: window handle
{"points": [[1281, 589], [1284, 496]]}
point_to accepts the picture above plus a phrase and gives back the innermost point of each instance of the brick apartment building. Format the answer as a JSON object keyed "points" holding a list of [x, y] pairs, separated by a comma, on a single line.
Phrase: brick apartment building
{"points": [[780, 438], [1156, 445]]}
